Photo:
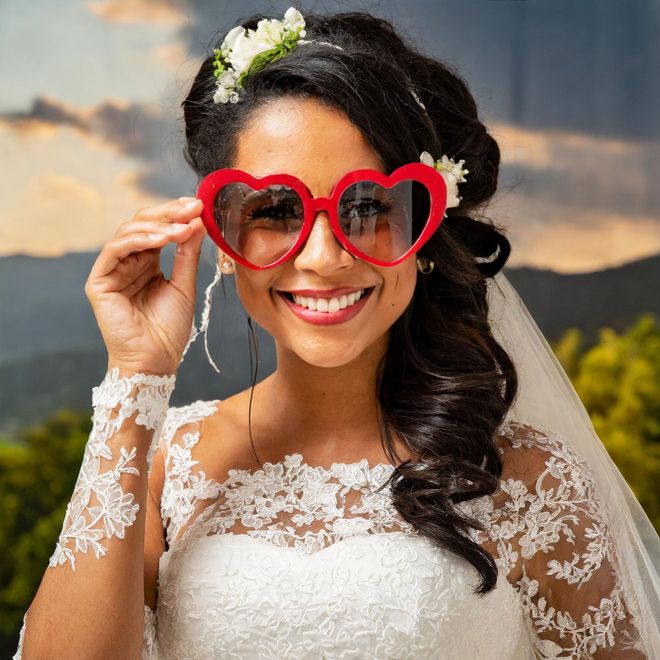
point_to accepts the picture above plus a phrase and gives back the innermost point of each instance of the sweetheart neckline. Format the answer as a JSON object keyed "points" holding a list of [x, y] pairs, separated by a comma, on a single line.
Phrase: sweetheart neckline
{"points": [[291, 549], [316, 556], [166, 555]]}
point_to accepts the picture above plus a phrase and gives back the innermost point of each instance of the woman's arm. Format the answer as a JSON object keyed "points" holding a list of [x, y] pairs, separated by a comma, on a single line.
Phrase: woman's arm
{"points": [[554, 544], [91, 600]]}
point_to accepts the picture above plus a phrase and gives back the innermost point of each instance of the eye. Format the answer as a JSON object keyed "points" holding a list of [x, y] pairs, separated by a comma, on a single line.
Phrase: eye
{"points": [[277, 212], [364, 208]]}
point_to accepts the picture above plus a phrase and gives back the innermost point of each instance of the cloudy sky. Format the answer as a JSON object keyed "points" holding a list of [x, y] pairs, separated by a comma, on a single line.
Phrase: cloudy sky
{"points": [[91, 128]]}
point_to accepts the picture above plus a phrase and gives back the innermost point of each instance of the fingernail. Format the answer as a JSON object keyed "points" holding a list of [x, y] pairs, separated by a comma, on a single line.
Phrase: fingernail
{"points": [[176, 226], [186, 199]]}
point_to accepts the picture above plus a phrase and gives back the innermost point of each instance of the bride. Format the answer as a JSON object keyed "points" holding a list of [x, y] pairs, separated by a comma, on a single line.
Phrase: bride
{"points": [[417, 478]]}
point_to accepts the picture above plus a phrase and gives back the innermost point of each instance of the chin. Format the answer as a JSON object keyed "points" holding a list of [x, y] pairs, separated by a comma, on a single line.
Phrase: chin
{"points": [[326, 355], [327, 360]]}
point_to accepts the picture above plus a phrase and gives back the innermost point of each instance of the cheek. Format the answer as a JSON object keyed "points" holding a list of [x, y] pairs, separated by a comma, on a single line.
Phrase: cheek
{"points": [[253, 291], [401, 288]]}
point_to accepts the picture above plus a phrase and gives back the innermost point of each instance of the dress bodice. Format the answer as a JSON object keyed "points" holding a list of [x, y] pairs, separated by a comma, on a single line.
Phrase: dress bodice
{"points": [[323, 567], [383, 595]]}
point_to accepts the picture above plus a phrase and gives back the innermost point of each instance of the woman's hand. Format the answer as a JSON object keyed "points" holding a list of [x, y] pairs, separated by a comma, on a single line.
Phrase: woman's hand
{"points": [[144, 318]]}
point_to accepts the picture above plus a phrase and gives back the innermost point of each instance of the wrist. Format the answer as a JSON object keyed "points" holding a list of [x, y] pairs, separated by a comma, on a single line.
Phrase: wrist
{"points": [[128, 371], [147, 394]]}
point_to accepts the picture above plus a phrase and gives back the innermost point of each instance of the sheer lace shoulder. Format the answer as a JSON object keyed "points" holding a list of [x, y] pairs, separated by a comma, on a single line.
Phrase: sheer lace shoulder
{"points": [[178, 425], [289, 503], [551, 539]]}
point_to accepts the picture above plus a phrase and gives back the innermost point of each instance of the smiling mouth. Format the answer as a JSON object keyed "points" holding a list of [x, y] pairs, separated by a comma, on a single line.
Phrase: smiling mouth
{"points": [[328, 305]]}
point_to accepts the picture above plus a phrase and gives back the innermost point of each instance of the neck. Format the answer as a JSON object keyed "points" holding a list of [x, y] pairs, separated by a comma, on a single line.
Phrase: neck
{"points": [[321, 412]]}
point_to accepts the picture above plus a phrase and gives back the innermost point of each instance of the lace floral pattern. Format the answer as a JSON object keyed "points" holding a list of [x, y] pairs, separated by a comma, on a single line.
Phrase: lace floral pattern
{"points": [[553, 526], [99, 508], [299, 561], [545, 530], [290, 503]]}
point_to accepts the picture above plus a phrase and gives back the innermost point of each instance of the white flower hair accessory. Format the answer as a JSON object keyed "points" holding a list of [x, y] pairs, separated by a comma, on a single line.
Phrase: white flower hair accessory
{"points": [[452, 173], [245, 52]]}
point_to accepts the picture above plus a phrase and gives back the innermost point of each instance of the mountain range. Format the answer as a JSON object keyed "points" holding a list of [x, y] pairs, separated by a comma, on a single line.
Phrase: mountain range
{"points": [[52, 353]]}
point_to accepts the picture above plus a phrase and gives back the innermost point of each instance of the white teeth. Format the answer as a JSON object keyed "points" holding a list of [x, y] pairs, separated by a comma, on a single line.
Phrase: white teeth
{"points": [[328, 304]]}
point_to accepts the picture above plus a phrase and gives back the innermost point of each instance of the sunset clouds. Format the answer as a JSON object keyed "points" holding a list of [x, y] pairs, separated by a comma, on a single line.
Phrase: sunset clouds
{"points": [[95, 132], [139, 11], [574, 202], [66, 190]]}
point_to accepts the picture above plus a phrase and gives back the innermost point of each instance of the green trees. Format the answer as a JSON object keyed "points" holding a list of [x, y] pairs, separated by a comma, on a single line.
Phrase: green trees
{"points": [[38, 471], [618, 381]]}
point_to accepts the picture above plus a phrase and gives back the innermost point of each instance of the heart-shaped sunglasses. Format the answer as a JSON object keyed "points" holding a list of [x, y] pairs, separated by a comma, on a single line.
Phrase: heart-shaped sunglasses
{"points": [[261, 222]]}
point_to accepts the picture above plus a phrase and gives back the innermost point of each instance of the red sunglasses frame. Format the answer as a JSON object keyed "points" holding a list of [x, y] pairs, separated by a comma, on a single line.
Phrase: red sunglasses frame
{"points": [[420, 172]]}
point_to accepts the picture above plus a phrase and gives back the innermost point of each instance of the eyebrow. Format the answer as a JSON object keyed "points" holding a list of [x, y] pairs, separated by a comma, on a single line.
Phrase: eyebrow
{"points": [[362, 187], [262, 194]]}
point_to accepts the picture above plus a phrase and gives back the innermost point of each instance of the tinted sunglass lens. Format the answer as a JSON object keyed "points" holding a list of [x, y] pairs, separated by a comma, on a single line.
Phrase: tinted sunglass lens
{"points": [[384, 223], [260, 225]]}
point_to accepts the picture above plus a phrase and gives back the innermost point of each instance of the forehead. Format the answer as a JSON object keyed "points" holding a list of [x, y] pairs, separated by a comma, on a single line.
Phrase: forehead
{"points": [[304, 138]]}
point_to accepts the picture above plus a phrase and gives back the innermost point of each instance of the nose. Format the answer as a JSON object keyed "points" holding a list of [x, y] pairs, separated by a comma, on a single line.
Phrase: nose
{"points": [[322, 252]]}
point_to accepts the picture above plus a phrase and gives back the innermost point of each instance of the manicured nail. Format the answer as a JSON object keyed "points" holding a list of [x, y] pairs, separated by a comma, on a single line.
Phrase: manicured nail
{"points": [[186, 199], [176, 226], [155, 237]]}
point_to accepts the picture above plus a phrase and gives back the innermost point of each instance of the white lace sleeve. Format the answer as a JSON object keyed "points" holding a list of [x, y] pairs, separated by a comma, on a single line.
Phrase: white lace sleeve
{"points": [[550, 537], [99, 508], [114, 401]]}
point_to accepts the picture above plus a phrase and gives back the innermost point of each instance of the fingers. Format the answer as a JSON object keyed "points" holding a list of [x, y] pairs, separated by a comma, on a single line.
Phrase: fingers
{"points": [[151, 229], [176, 230], [186, 260], [176, 211], [117, 249]]}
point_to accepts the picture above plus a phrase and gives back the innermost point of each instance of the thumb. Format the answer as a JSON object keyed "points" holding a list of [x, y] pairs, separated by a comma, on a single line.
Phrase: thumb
{"points": [[186, 259]]}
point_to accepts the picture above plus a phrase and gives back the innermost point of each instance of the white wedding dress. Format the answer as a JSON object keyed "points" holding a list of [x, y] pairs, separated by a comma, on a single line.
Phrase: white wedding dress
{"points": [[299, 561]]}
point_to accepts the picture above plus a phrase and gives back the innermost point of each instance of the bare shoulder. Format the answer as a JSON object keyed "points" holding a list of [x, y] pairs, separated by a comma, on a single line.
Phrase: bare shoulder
{"points": [[224, 438]]}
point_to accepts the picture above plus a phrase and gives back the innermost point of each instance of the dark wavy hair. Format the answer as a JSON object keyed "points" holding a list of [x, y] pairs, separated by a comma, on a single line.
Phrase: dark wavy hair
{"points": [[445, 384]]}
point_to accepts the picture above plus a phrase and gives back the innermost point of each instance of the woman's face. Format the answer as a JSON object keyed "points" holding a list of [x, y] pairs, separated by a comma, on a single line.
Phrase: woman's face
{"points": [[318, 145]]}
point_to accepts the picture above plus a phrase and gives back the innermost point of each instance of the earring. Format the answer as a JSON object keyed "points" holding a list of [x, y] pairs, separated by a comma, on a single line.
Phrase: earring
{"points": [[227, 265], [424, 265]]}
